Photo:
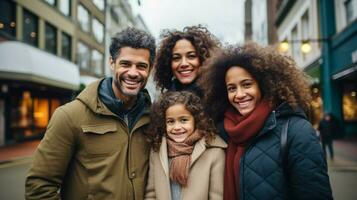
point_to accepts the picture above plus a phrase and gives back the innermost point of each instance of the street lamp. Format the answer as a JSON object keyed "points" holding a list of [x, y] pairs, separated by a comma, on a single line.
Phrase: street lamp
{"points": [[305, 45]]}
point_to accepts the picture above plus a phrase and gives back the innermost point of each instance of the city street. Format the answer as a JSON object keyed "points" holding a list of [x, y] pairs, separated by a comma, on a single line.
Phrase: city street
{"points": [[342, 171], [12, 179]]}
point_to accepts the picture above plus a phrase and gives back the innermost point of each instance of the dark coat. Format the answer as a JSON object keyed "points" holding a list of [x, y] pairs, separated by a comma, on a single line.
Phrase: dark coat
{"points": [[192, 87], [261, 171]]}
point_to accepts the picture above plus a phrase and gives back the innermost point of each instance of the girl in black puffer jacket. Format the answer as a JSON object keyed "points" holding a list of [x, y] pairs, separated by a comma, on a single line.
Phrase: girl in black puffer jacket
{"points": [[260, 99]]}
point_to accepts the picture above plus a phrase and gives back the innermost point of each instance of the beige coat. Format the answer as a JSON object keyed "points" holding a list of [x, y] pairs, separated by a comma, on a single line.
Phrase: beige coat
{"points": [[206, 171], [88, 153]]}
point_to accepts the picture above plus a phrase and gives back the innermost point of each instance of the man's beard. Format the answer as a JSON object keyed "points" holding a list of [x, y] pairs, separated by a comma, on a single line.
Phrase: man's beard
{"points": [[127, 92]]}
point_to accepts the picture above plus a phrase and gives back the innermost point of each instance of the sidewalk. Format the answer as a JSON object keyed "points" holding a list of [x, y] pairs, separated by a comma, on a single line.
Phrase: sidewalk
{"points": [[18, 151]]}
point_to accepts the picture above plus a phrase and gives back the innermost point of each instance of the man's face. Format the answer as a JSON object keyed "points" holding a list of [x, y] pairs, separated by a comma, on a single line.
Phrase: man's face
{"points": [[130, 71]]}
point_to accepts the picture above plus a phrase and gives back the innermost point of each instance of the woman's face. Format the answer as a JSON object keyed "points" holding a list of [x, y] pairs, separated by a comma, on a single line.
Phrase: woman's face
{"points": [[179, 122], [243, 90], [185, 62]]}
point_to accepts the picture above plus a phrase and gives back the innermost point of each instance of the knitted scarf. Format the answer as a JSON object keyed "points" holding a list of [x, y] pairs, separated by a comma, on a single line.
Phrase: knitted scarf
{"points": [[181, 157], [241, 129]]}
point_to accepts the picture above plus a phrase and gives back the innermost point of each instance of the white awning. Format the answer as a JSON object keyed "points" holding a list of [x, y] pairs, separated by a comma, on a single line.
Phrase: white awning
{"points": [[86, 80], [20, 61]]}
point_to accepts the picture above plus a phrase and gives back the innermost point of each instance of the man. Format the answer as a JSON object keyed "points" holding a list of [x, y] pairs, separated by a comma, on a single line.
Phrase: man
{"points": [[327, 128], [94, 146]]}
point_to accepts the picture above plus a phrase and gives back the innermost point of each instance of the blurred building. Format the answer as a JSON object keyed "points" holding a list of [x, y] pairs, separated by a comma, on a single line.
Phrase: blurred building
{"points": [[321, 36], [260, 28], [49, 51]]}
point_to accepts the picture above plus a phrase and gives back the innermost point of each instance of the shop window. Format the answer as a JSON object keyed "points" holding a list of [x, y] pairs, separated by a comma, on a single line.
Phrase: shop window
{"points": [[65, 7], [316, 105], [7, 18], [30, 115], [66, 46], [41, 112], [98, 30], [349, 100], [97, 62], [83, 56], [83, 18], [21, 115], [51, 39], [99, 4], [30, 33], [55, 103]]}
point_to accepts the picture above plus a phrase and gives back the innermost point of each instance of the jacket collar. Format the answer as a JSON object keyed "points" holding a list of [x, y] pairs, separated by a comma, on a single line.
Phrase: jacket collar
{"points": [[89, 96], [282, 111], [198, 150]]}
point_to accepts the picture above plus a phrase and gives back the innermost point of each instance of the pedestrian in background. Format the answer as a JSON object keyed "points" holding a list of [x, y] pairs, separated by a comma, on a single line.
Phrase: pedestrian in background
{"points": [[261, 97], [187, 160], [94, 146], [180, 56], [327, 128]]}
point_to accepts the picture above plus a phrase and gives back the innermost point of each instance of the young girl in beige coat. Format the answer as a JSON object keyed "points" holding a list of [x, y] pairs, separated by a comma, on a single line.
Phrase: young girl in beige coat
{"points": [[187, 159]]}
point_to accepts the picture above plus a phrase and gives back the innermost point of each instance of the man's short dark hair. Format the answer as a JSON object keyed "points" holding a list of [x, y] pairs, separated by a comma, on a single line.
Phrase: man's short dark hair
{"points": [[134, 38]]}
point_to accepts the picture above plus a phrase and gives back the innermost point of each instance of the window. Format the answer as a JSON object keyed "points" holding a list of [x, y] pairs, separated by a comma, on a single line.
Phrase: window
{"points": [[349, 99], [51, 39], [65, 7], [66, 46], [295, 45], [99, 4], [305, 26], [7, 18], [305, 29], [351, 10], [30, 33], [97, 62], [83, 56], [114, 15], [51, 2], [83, 18], [98, 30]]}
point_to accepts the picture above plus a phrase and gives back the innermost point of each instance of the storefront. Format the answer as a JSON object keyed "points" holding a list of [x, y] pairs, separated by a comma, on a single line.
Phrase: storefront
{"points": [[313, 70], [344, 74], [33, 83]]}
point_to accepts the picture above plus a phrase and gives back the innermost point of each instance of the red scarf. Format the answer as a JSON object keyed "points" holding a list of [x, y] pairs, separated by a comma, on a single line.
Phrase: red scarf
{"points": [[240, 130]]}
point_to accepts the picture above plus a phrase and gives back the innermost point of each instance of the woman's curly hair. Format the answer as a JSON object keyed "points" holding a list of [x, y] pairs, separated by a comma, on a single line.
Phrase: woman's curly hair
{"points": [[157, 126], [278, 77], [203, 41]]}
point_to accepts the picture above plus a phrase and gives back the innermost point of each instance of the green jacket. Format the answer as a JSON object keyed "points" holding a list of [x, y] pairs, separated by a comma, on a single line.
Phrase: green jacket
{"points": [[89, 153]]}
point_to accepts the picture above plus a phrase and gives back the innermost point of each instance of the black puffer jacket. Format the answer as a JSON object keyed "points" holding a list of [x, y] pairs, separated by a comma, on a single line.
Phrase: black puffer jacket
{"points": [[261, 172]]}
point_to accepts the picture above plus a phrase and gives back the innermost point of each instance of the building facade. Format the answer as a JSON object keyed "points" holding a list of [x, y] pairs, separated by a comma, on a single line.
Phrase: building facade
{"points": [[48, 48], [329, 29], [260, 28]]}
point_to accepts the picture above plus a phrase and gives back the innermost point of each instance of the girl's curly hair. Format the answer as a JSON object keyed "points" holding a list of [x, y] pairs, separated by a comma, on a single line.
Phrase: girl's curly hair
{"points": [[157, 126], [203, 41], [278, 77]]}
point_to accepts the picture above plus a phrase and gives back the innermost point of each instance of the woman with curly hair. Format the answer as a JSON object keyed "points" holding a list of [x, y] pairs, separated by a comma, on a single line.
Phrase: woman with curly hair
{"points": [[261, 97], [180, 56], [187, 160]]}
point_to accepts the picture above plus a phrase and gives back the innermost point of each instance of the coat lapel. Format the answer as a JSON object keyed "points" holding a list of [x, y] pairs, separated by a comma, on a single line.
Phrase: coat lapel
{"points": [[164, 157], [198, 150]]}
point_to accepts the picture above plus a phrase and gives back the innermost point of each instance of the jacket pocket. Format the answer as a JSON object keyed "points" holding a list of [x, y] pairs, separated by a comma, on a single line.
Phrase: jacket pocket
{"points": [[101, 139]]}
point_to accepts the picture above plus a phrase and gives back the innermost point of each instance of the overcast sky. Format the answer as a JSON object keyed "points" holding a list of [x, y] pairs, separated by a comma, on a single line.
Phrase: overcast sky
{"points": [[224, 18]]}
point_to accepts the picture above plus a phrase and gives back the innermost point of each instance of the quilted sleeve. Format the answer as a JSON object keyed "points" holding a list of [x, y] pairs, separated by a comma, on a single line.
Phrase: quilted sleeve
{"points": [[307, 169]]}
